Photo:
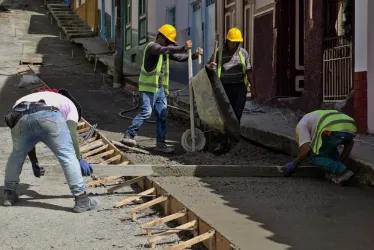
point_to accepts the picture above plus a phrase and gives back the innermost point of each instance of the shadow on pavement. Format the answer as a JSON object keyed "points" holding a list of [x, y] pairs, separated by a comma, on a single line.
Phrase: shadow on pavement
{"points": [[23, 189]]}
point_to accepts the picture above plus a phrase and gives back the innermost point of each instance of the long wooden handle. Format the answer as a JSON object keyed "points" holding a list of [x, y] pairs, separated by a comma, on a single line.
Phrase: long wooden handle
{"points": [[215, 51]]}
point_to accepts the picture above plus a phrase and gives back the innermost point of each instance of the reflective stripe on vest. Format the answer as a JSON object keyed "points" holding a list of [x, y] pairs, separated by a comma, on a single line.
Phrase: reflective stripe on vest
{"points": [[331, 120], [149, 81], [242, 60]]}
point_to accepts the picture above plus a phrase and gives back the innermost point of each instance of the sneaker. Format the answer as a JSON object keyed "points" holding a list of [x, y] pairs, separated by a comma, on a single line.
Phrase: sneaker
{"points": [[164, 148], [128, 140], [10, 198], [84, 203], [343, 178]]}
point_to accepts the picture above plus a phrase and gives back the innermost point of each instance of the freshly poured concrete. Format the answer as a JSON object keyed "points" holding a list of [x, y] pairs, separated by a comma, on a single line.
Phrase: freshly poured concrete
{"points": [[264, 213]]}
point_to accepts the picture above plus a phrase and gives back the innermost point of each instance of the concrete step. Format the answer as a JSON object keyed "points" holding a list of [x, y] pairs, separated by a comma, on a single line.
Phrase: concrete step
{"points": [[77, 35], [68, 17], [63, 12]]}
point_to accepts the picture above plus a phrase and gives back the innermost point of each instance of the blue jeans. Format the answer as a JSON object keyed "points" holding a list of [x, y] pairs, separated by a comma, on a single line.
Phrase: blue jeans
{"points": [[50, 128], [329, 157], [148, 101]]}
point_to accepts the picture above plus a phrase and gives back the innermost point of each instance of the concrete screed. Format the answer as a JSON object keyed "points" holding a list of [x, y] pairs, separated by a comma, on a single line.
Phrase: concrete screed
{"points": [[252, 212]]}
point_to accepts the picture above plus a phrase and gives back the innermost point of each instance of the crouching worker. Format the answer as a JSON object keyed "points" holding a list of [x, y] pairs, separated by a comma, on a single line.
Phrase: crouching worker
{"points": [[319, 134], [51, 118]]}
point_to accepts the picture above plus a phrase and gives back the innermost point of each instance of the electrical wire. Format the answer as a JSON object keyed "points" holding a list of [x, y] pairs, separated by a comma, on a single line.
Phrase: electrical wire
{"points": [[136, 104]]}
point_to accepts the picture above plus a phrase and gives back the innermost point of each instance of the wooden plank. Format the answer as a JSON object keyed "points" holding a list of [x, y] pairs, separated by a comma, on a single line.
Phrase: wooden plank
{"points": [[92, 152], [162, 220], [148, 204], [80, 124], [95, 157], [99, 182], [87, 141], [133, 198], [113, 159], [31, 60], [92, 145], [139, 150], [189, 225], [193, 241], [126, 183], [80, 131]]}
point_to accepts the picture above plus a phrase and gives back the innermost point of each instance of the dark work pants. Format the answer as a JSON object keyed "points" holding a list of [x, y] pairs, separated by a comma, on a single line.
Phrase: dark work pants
{"points": [[237, 94]]}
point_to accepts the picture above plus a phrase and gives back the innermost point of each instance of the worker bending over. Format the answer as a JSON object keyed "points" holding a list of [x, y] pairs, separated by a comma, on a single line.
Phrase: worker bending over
{"points": [[319, 134], [235, 73], [154, 84], [51, 118]]}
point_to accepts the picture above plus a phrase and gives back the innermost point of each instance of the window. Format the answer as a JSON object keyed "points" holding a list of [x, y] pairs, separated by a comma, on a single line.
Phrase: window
{"points": [[128, 30], [171, 16], [142, 22]]}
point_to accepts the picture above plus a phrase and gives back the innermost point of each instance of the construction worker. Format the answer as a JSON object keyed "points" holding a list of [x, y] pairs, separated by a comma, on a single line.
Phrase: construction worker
{"points": [[319, 135], [51, 118], [154, 84], [235, 73]]}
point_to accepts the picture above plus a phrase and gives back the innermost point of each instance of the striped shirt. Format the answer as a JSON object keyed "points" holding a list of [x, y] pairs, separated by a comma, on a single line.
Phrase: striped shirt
{"points": [[232, 69]]}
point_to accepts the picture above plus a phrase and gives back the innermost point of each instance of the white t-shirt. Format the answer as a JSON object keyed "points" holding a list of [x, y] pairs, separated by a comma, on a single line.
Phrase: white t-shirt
{"points": [[64, 104], [306, 126]]}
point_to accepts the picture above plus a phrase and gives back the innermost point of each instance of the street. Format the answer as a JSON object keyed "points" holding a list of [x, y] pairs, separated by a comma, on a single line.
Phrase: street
{"points": [[253, 213]]}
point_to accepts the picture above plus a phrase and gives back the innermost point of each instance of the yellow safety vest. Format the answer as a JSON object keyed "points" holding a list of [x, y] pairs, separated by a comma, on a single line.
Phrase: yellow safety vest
{"points": [[330, 120], [148, 81], [242, 59]]}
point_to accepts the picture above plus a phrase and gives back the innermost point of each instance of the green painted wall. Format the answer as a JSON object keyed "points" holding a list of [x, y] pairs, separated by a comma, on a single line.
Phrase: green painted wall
{"points": [[136, 50]]}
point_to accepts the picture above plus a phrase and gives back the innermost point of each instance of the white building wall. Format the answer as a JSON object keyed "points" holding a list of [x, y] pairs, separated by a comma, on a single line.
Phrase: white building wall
{"points": [[370, 65], [361, 35], [263, 3], [134, 14], [108, 7]]}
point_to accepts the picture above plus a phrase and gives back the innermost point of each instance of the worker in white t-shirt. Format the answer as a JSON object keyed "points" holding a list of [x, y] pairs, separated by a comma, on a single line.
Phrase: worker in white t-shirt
{"points": [[51, 118], [319, 134]]}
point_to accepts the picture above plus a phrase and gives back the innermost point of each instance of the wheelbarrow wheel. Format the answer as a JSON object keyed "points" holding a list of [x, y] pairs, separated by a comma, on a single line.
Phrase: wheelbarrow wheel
{"points": [[200, 140]]}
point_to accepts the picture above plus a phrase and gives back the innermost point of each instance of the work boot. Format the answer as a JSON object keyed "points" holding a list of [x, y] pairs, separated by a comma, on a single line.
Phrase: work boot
{"points": [[222, 148], [164, 148], [344, 177], [10, 197], [128, 140], [84, 203]]}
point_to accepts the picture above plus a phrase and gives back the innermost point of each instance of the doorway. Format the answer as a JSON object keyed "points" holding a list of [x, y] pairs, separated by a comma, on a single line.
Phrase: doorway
{"points": [[290, 47]]}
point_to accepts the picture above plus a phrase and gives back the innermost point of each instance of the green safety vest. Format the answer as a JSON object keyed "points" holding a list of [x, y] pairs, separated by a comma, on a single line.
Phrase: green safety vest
{"points": [[242, 59], [148, 81], [331, 120]]}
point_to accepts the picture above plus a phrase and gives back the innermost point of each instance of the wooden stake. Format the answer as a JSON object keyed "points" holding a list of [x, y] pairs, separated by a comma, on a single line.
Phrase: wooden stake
{"points": [[193, 241], [98, 182], [133, 198], [152, 241], [147, 205], [126, 183], [163, 220]]}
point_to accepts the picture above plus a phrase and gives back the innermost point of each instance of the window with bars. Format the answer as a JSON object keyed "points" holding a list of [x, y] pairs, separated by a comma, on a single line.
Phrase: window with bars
{"points": [[142, 22], [128, 29]]}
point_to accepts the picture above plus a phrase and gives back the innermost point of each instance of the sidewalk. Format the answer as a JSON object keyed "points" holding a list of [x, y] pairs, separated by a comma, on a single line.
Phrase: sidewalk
{"points": [[273, 128]]}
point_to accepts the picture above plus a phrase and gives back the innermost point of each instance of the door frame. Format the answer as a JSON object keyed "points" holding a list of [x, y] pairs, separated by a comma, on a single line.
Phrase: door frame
{"points": [[102, 21]]}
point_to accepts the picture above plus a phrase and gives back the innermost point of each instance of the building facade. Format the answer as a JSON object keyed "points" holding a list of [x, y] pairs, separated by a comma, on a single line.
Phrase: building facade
{"points": [[192, 19], [364, 65], [307, 54]]}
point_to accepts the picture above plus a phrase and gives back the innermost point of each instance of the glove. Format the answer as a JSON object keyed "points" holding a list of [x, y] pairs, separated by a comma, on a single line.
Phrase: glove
{"points": [[85, 167], [38, 171], [289, 169]]}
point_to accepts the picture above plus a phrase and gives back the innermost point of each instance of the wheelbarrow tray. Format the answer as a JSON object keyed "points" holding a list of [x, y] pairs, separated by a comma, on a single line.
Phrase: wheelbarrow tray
{"points": [[213, 105]]}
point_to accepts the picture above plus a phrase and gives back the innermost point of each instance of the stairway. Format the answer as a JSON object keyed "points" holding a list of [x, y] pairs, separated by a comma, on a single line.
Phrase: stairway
{"points": [[68, 21]]}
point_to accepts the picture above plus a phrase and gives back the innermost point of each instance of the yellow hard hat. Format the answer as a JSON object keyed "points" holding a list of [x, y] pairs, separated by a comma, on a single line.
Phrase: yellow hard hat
{"points": [[169, 32], [234, 35]]}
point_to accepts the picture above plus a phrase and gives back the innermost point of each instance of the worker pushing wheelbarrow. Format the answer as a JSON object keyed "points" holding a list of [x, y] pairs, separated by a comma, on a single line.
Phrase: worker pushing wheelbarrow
{"points": [[220, 91]]}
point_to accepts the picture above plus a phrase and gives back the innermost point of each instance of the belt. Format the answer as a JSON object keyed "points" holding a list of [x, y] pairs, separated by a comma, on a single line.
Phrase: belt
{"points": [[33, 107]]}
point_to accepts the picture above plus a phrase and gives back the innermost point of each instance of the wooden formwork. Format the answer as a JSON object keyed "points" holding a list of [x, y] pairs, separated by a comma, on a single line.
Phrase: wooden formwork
{"points": [[97, 147]]}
